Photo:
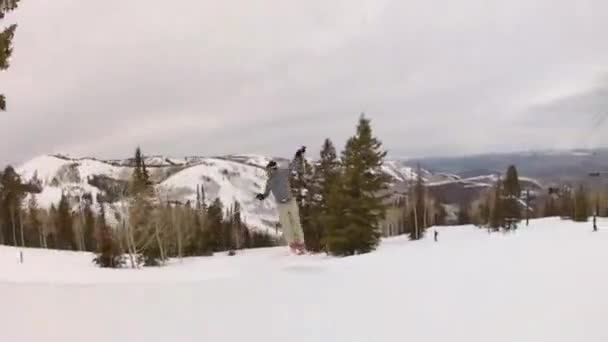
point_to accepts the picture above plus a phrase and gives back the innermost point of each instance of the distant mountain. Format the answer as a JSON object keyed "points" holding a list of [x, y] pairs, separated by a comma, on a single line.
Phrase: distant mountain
{"points": [[545, 166]]}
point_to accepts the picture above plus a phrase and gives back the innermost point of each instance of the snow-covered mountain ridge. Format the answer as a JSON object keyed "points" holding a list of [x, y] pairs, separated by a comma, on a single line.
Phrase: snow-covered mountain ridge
{"points": [[232, 178]]}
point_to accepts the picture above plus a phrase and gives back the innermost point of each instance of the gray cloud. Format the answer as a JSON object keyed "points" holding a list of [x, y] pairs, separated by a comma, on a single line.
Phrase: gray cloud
{"points": [[211, 77]]}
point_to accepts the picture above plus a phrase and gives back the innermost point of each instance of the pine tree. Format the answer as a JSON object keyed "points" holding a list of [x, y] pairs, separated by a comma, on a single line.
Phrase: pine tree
{"points": [[363, 183], [336, 239], [51, 223], [34, 223], [551, 207], [89, 227], [142, 232], [64, 223], [511, 193], [497, 216], [214, 225], [326, 173], [581, 205], [6, 37], [12, 193], [108, 254]]}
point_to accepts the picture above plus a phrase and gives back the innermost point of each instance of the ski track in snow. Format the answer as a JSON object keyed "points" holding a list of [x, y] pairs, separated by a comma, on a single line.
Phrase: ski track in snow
{"points": [[547, 282]]}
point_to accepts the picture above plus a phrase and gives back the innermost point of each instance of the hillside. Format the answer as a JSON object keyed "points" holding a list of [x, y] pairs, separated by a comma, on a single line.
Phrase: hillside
{"points": [[547, 166], [233, 178], [470, 286]]}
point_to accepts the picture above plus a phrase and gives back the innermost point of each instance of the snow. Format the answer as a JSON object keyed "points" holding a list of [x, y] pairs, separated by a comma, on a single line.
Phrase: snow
{"points": [[46, 168], [229, 181], [542, 283], [399, 171]]}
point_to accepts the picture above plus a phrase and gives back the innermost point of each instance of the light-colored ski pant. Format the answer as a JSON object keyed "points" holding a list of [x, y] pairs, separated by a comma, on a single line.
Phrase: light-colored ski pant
{"points": [[289, 218]]}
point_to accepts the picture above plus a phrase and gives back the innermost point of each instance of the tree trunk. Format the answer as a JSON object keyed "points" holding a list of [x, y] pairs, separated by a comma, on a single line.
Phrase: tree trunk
{"points": [[21, 228], [416, 221], [158, 240], [12, 213]]}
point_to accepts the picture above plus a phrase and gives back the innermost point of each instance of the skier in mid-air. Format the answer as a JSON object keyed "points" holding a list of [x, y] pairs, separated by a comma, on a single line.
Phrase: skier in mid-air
{"points": [[289, 214]]}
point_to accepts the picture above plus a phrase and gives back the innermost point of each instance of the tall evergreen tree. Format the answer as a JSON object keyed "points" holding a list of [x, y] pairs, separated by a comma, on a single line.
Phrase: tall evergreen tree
{"points": [[108, 254], [6, 38], [64, 223], [497, 216], [89, 227], [363, 184], [581, 205], [51, 236], [336, 239], [34, 223], [214, 225], [140, 213], [326, 174], [12, 193], [512, 194]]}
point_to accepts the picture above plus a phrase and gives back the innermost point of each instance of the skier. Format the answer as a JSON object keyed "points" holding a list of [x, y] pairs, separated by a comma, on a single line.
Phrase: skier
{"points": [[436, 235], [595, 223], [289, 215]]}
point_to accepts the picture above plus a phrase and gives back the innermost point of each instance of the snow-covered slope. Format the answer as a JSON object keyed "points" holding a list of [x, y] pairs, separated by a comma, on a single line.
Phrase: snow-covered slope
{"points": [[542, 283], [232, 178], [227, 180]]}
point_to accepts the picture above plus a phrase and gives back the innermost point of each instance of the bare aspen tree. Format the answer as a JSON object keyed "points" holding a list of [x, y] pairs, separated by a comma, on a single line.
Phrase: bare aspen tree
{"points": [[21, 227]]}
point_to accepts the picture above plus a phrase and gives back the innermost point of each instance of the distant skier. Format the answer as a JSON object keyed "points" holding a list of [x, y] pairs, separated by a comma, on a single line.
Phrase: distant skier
{"points": [[595, 223], [289, 214], [436, 235]]}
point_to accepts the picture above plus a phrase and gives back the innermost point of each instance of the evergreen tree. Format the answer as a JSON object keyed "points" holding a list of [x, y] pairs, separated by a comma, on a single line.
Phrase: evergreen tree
{"points": [[326, 173], [34, 223], [51, 236], [464, 216], [140, 213], [64, 223], [89, 227], [581, 206], [497, 216], [336, 239], [512, 193], [551, 207], [511, 183], [363, 183], [6, 37], [214, 225], [12, 193], [108, 254], [199, 244]]}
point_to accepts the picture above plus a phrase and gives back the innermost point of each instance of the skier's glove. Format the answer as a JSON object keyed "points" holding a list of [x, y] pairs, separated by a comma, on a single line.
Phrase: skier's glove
{"points": [[261, 197], [300, 152]]}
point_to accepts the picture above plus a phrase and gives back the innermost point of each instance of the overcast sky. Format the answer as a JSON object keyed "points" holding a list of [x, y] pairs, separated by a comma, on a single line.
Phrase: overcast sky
{"points": [[203, 77]]}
